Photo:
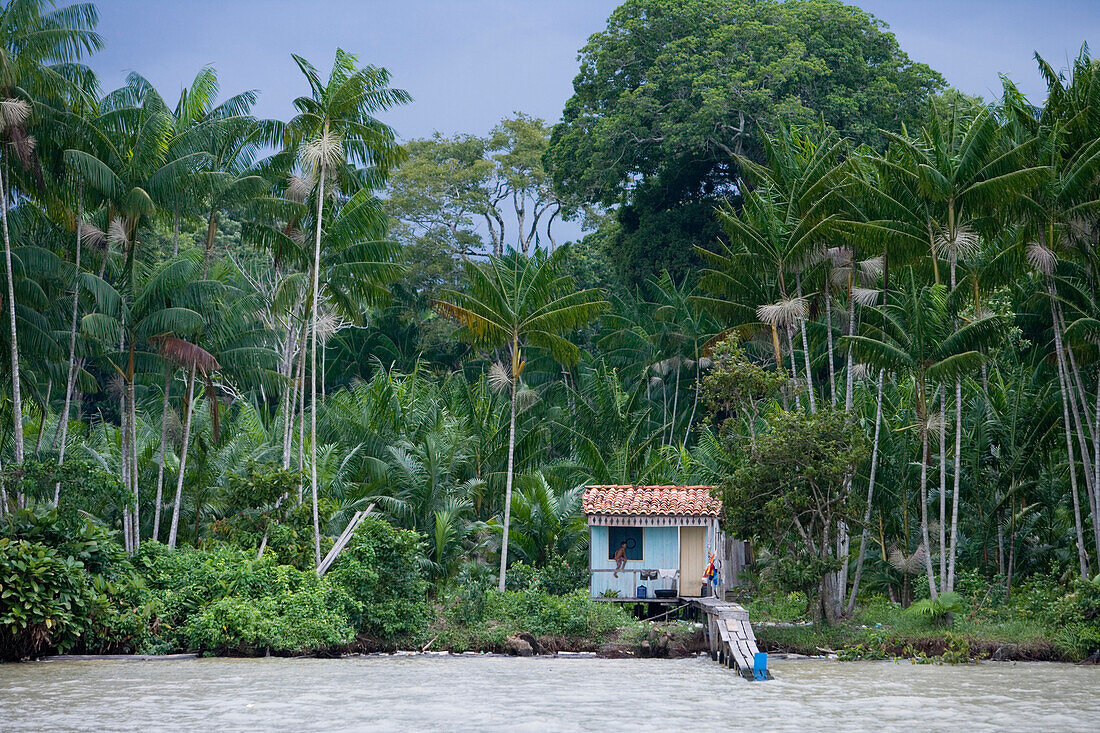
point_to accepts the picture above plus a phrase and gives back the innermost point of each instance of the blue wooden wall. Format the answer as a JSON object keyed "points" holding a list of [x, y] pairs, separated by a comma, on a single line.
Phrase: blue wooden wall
{"points": [[660, 548]]}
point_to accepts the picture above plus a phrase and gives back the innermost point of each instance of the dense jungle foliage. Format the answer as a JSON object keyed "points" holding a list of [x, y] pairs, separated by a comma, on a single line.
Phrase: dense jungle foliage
{"points": [[862, 305]]}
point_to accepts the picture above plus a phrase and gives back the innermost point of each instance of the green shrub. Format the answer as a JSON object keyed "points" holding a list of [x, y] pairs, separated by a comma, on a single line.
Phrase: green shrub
{"points": [[300, 613], [474, 616], [45, 599], [1077, 616], [379, 570], [939, 610]]}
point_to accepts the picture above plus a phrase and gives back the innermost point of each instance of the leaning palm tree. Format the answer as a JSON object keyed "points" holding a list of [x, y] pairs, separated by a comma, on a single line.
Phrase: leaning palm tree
{"points": [[39, 48], [514, 302], [336, 124]]}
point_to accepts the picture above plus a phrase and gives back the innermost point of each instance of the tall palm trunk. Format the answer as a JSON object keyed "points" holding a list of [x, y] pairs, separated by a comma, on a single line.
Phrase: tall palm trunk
{"points": [[1070, 396], [956, 487], [511, 465], [829, 340], [160, 467], [925, 458], [134, 474], [1082, 553], [675, 401], [70, 380], [176, 233], [313, 368], [189, 411], [16, 397], [850, 382], [806, 355], [870, 495], [124, 467], [943, 490]]}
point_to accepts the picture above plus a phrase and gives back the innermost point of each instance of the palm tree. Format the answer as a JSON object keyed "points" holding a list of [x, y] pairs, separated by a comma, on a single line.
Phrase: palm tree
{"points": [[514, 302], [40, 48], [335, 124], [914, 334]]}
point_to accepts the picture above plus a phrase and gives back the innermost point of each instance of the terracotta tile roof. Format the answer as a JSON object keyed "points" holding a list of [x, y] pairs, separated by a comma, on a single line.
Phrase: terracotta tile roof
{"points": [[658, 500]]}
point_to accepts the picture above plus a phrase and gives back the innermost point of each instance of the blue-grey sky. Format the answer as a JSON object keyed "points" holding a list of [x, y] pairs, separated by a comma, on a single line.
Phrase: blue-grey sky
{"points": [[469, 63]]}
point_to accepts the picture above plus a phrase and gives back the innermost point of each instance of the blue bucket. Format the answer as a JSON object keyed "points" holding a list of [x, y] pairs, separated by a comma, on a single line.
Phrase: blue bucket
{"points": [[642, 592]]}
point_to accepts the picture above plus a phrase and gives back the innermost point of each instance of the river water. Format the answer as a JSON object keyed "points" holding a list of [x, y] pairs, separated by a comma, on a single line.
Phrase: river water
{"points": [[487, 693]]}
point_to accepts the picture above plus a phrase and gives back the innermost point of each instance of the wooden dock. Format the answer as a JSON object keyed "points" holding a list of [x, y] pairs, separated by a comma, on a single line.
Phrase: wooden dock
{"points": [[731, 639]]}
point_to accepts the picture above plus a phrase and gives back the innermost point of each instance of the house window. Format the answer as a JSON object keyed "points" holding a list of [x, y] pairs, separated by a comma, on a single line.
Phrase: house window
{"points": [[632, 536]]}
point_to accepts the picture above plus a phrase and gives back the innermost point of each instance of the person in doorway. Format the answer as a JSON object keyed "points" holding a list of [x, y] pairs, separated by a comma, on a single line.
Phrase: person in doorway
{"points": [[620, 558]]}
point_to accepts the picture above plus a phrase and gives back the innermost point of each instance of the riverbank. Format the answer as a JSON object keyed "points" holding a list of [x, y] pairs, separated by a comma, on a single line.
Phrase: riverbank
{"points": [[1042, 621]]}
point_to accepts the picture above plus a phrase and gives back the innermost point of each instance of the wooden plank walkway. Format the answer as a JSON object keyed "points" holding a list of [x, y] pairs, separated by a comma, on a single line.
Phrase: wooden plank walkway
{"points": [[730, 635]]}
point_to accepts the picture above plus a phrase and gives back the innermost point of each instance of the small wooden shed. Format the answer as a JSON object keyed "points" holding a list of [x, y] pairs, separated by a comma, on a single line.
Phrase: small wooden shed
{"points": [[669, 532]]}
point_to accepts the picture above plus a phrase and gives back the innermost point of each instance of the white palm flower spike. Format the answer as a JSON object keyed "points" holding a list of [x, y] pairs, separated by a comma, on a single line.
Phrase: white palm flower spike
{"points": [[1041, 257], [783, 312]]}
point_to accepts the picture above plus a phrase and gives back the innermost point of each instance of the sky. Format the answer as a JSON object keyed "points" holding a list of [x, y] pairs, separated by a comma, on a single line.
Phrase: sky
{"points": [[470, 63]]}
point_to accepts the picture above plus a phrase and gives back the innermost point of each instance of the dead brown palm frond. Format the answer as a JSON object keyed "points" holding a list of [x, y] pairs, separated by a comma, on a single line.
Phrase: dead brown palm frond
{"points": [[910, 565], [498, 377], [784, 312], [965, 242], [1041, 257], [838, 256], [91, 234], [23, 145], [13, 113], [187, 354], [526, 398]]}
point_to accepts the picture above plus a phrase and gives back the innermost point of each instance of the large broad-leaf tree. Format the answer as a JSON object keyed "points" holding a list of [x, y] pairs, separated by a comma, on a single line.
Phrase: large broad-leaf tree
{"points": [[673, 89], [513, 303]]}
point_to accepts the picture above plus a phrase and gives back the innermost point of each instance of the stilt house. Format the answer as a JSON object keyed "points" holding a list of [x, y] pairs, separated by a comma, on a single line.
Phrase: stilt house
{"points": [[667, 533]]}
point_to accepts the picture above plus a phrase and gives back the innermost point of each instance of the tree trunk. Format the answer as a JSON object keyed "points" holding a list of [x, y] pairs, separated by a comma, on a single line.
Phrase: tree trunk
{"points": [[870, 496], [189, 410], [956, 487], [70, 380], [1082, 553], [313, 370], [16, 397], [925, 458], [163, 441], [211, 230], [135, 475], [124, 466], [176, 233], [829, 340], [675, 401], [806, 355], [511, 466], [943, 490], [45, 417]]}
